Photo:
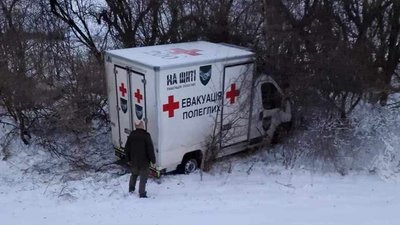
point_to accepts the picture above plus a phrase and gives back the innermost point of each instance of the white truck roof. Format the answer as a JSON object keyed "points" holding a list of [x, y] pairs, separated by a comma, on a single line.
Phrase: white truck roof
{"points": [[180, 54]]}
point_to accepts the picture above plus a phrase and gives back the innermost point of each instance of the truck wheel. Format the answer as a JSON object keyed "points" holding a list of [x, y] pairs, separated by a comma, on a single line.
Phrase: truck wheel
{"points": [[190, 165], [191, 162]]}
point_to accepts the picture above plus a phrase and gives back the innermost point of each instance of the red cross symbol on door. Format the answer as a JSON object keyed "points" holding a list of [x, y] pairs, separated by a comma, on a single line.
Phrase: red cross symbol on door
{"points": [[192, 52], [122, 89], [232, 94], [138, 96], [170, 106]]}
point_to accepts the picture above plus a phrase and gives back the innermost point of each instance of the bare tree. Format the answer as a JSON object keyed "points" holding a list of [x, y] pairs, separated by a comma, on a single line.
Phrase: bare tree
{"points": [[48, 86], [25, 93], [81, 17], [132, 23], [341, 50]]}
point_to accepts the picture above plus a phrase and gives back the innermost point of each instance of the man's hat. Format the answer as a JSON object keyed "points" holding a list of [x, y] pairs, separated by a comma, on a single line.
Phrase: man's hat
{"points": [[139, 125]]}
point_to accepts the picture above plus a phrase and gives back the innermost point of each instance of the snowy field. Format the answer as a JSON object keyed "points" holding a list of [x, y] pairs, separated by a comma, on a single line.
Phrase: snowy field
{"points": [[263, 195], [36, 188]]}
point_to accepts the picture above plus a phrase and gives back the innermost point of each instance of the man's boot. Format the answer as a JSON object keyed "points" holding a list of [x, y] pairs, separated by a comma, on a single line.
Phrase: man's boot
{"points": [[143, 195]]}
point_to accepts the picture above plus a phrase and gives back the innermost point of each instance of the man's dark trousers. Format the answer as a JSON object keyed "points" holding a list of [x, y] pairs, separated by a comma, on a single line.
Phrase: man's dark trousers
{"points": [[144, 174]]}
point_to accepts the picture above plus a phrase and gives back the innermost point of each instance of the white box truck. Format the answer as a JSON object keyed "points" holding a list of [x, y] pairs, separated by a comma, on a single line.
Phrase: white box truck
{"points": [[186, 93]]}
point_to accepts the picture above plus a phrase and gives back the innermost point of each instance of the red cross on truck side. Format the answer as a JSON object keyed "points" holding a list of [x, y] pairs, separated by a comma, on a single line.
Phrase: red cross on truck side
{"points": [[192, 52], [170, 106], [138, 96], [122, 89], [232, 94]]}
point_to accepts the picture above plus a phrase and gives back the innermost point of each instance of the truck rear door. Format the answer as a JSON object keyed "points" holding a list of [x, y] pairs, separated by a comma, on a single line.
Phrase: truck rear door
{"points": [[131, 101]]}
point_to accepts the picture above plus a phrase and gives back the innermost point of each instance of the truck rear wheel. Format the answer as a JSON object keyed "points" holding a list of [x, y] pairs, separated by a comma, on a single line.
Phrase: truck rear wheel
{"points": [[190, 166], [191, 162]]}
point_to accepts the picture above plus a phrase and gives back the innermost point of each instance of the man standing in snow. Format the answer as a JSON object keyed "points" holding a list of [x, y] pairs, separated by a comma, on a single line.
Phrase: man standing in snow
{"points": [[139, 153]]}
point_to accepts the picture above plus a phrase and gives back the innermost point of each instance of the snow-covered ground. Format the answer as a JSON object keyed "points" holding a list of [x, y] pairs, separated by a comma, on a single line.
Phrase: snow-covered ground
{"points": [[265, 194], [36, 188]]}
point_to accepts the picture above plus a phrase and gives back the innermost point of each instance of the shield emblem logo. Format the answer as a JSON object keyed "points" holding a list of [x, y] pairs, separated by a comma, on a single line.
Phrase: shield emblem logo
{"points": [[205, 74], [124, 105], [139, 111]]}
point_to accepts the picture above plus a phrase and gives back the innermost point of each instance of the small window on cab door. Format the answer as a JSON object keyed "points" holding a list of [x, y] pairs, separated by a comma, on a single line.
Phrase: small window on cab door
{"points": [[271, 98]]}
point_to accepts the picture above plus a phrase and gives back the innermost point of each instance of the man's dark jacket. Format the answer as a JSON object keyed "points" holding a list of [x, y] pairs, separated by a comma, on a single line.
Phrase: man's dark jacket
{"points": [[139, 149]]}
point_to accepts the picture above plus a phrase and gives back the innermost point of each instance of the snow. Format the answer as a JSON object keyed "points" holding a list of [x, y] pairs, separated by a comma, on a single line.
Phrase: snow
{"points": [[266, 194], [255, 188]]}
